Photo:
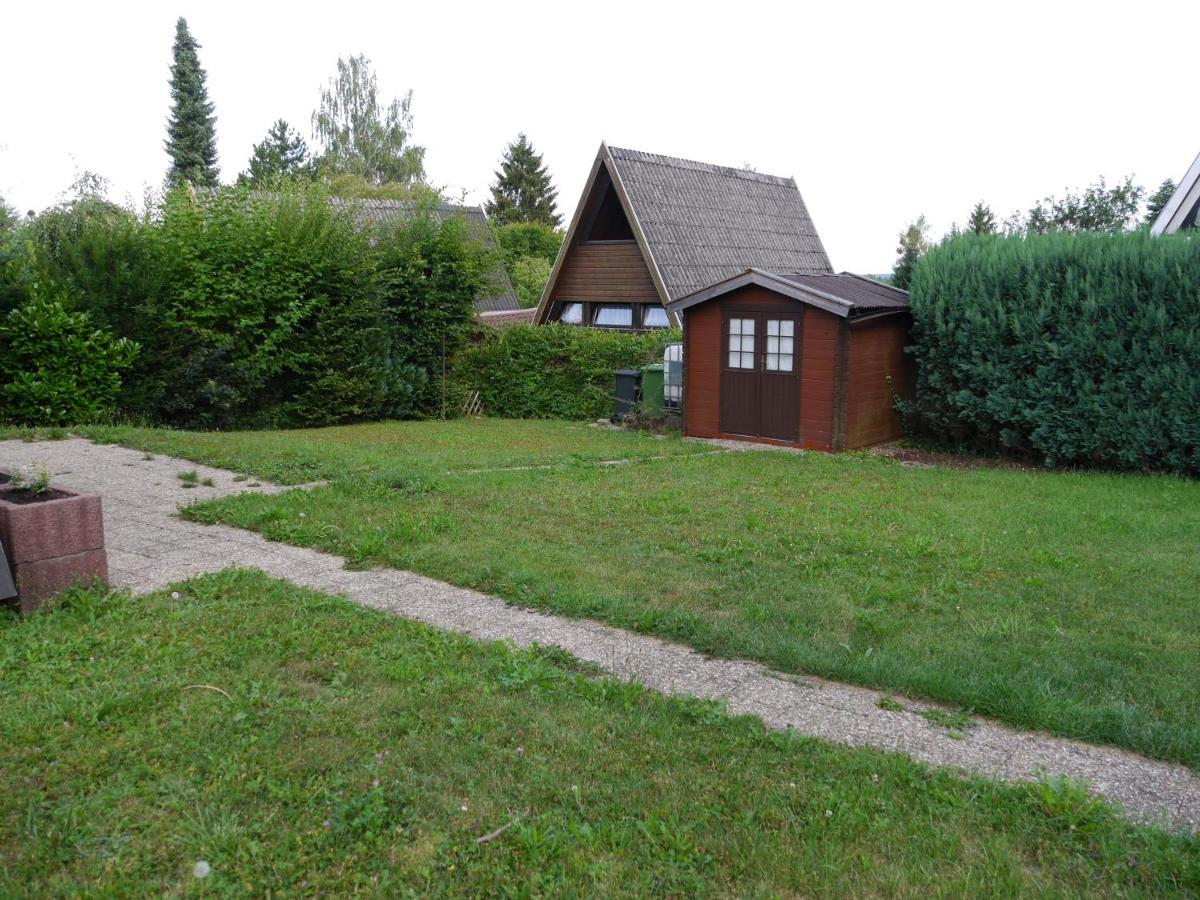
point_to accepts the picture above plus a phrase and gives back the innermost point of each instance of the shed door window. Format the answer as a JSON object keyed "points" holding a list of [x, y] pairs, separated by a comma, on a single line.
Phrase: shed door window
{"points": [[781, 340], [741, 343]]}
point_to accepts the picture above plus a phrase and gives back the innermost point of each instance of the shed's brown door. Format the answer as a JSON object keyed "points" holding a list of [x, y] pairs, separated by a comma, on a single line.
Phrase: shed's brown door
{"points": [[760, 375]]}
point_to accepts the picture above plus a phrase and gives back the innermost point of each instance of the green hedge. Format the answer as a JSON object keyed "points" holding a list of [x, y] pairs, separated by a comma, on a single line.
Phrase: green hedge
{"points": [[254, 309], [552, 371], [1074, 349]]}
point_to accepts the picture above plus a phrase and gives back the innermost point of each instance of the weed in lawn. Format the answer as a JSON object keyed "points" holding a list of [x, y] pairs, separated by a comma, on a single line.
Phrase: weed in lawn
{"points": [[890, 704], [189, 478], [956, 722]]}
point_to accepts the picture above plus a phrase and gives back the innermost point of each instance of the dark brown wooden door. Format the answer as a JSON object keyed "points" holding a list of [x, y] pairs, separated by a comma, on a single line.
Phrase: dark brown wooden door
{"points": [[760, 375], [740, 389], [780, 377]]}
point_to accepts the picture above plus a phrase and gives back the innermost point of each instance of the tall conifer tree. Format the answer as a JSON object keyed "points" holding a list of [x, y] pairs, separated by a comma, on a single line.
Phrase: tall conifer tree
{"points": [[522, 191], [191, 130]]}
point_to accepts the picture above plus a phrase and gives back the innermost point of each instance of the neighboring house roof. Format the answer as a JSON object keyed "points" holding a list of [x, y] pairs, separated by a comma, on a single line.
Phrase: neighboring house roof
{"points": [[1183, 209], [846, 295], [500, 295], [506, 318], [698, 223]]}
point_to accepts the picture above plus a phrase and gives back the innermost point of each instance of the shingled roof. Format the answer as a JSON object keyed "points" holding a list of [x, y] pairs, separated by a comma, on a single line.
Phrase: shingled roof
{"points": [[500, 296], [847, 295], [696, 223], [703, 223]]}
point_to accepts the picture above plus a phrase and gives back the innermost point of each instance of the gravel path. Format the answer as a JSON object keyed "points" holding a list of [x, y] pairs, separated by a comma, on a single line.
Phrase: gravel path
{"points": [[149, 547]]}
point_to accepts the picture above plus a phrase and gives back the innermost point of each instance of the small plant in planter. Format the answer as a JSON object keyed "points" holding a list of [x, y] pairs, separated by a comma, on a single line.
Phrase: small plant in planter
{"points": [[53, 538]]}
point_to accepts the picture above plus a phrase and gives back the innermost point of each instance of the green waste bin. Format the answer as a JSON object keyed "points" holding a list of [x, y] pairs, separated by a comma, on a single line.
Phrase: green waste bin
{"points": [[652, 390]]}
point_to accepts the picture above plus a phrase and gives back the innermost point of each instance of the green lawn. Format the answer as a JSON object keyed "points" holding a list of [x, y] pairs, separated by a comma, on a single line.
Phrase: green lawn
{"points": [[299, 744], [1065, 602]]}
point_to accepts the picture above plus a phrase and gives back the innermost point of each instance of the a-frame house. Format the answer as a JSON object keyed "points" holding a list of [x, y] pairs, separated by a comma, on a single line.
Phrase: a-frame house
{"points": [[653, 229]]}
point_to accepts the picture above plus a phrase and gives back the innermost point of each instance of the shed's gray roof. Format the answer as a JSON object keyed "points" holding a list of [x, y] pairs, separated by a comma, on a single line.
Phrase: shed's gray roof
{"points": [[703, 223], [860, 292], [844, 294], [500, 296]]}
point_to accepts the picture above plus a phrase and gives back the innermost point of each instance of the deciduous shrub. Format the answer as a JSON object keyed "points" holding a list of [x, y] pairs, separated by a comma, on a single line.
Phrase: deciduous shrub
{"points": [[1068, 348], [56, 366], [552, 371], [259, 309]]}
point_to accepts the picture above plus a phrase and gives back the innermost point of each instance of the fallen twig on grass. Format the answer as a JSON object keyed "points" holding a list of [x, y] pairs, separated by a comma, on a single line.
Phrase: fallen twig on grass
{"points": [[492, 835], [208, 687]]}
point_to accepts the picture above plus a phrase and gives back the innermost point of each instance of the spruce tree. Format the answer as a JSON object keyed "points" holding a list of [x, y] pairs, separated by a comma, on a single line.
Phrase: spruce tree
{"points": [[913, 244], [982, 221], [281, 152], [1157, 200], [522, 191], [191, 130]]}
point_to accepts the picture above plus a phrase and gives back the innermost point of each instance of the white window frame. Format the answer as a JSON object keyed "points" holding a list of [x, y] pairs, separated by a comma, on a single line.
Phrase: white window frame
{"points": [[741, 337], [602, 308], [651, 308], [781, 346]]}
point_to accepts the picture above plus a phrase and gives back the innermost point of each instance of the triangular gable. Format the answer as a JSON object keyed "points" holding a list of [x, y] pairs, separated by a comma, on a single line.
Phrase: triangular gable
{"points": [[595, 212]]}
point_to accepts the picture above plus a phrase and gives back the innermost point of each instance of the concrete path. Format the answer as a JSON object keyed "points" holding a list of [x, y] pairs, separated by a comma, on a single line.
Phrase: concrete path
{"points": [[149, 547]]}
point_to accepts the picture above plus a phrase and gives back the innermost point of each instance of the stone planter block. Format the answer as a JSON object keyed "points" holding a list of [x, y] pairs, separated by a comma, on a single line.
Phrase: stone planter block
{"points": [[62, 527], [52, 545], [41, 579]]}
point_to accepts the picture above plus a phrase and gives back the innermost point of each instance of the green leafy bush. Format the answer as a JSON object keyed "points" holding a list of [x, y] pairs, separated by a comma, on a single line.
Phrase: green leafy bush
{"points": [[529, 277], [1068, 348], [259, 309], [56, 367], [521, 239], [553, 371]]}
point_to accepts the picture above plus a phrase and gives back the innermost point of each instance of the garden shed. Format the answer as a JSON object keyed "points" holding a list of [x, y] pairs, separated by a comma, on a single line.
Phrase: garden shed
{"points": [[811, 360]]}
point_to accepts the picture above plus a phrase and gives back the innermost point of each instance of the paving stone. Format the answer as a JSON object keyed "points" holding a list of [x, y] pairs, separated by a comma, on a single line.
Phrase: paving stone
{"points": [[150, 547]]}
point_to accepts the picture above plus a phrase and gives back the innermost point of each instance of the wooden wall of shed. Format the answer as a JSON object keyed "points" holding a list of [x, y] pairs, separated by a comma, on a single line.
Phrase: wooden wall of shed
{"points": [[877, 354], [702, 370], [818, 377], [605, 273]]}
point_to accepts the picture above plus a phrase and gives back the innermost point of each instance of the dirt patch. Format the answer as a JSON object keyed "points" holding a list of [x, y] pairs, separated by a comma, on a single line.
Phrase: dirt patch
{"points": [[918, 457], [21, 496]]}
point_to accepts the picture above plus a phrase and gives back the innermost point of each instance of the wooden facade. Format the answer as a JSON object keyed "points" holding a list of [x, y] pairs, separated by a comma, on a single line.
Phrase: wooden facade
{"points": [[841, 380]]}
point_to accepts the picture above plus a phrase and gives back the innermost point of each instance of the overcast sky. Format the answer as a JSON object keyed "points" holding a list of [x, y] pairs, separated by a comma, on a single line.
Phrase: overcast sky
{"points": [[880, 111]]}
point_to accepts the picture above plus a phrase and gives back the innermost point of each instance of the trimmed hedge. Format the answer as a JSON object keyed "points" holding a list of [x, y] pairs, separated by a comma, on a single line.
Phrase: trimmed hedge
{"points": [[254, 310], [552, 371], [1074, 349]]}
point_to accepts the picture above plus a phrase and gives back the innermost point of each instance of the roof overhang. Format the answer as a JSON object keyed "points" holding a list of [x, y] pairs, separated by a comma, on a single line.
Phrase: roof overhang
{"points": [[1182, 202], [604, 159], [773, 282]]}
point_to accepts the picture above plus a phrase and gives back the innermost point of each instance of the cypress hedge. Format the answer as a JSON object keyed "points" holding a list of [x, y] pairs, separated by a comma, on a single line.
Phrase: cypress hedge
{"points": [[552, 371], [1072, 349]]}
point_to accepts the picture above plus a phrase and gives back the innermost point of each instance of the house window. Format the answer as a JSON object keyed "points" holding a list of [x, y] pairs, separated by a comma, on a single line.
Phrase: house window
{"points": [[741, 343], [655, 317], [572, 314], [781, 339], [614, 316]]}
